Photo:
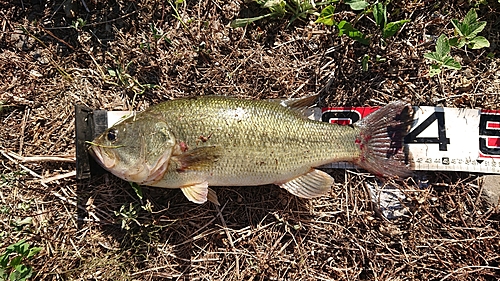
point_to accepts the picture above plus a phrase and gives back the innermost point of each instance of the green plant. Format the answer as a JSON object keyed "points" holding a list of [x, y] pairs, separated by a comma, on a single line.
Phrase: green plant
{"points": [[280, 8], [127, 216], [11, 177], [176, 11], [127, 81], [465, 35], [467, 30], [158, 35], [380, 16], [344, 27], [78, 23], [442, 57], [357, 5], [12, 265], [379, 12]]}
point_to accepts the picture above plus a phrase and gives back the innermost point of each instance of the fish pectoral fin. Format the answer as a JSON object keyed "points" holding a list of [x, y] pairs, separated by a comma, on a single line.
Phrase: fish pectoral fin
{"points": [[196, 193], [197, 158], [212, 197], [313, 184]]}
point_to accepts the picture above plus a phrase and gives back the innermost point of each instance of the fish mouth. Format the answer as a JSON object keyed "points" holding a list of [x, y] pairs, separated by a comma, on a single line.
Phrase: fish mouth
{"points": [[102, 157]]}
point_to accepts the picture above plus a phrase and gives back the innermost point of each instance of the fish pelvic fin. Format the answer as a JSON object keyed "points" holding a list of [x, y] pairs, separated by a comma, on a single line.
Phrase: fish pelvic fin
{"points": [[381, 140], [196, 193], [313, 184]]}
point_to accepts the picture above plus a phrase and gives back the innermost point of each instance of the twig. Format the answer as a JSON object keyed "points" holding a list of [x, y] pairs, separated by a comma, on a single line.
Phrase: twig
{"points": [[22, 167], [58, 39], [53, 158], [58, 177], [23, 127], [471, 267], [230, 238]]}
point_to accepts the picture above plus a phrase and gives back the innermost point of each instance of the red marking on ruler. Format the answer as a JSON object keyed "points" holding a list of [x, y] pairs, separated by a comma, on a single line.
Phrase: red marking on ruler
{"points": [[493, 142], [492, 125]]}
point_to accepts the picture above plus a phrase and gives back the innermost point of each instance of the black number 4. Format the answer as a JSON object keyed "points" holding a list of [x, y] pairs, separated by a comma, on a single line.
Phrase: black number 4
{"points": [[442, 140]]}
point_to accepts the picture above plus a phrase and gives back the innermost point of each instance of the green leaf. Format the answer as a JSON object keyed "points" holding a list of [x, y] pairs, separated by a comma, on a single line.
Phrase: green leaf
{"points": [[326, 16], [433, 56], [111, 72], [474, 29], [3, 274], [451, 63], [243, 22], [357, 5], [478, 43], [16, 261], [442, 46], [458, 27], [434, 70], [364, 62], [4, 260], [454, 41], [24, 272], [470, 18], [16, 247], [33, 251], [380, 14], [347, 29], [391, 28], [137, 188], [277, 7]]}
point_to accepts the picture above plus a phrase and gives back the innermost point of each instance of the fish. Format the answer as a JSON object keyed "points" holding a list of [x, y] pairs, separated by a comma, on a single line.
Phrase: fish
{"points": [[195, 143]]}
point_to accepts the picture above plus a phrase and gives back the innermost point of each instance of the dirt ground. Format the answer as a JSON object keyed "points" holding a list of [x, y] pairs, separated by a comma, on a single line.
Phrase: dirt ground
{"points": [[127, 55]]}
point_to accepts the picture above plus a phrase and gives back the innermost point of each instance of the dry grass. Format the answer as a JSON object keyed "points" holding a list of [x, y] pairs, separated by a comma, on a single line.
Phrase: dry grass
{"points": [[259, 233]]}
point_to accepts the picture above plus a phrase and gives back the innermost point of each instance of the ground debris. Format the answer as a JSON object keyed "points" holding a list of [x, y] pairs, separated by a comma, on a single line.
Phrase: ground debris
{"points": [[127, 55]]}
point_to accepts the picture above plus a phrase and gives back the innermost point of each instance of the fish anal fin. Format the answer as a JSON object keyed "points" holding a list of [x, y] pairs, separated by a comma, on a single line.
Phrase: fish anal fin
{"points": [[313, 184], [197, 158], [212, 197], [196, 193]]}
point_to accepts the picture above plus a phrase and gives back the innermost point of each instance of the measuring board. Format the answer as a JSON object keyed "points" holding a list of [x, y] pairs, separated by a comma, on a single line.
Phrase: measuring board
{"points": [[440, 139]]}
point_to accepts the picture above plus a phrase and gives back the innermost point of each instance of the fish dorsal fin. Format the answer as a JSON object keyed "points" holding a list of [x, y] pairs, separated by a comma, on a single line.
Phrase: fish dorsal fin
{"points": [[313, 184], [197, 158], [196, 193], [297, 103], [302, 106]]}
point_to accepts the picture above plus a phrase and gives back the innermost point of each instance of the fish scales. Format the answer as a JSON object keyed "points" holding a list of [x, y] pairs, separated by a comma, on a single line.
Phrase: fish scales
{"points": [[260, 140], [197, 142]]}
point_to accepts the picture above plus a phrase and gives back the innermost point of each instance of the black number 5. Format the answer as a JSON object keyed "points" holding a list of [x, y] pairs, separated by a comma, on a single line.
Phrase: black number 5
{"points": [[489, 132]]}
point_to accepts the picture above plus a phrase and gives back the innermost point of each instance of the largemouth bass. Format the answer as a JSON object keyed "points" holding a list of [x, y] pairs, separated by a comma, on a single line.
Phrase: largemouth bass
{"points": [[195, 143]]}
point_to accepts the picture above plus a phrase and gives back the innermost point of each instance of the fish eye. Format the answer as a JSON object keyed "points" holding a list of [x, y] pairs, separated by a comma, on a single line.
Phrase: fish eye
{"points": [[111, 136]]}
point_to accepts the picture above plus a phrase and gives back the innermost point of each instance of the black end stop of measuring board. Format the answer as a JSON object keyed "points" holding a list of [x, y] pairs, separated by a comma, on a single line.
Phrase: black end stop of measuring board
{"points": [[88, 125]]}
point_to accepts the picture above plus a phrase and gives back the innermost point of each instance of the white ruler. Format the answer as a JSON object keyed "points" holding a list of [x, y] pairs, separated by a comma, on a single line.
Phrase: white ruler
{"points": [[441, 139]]}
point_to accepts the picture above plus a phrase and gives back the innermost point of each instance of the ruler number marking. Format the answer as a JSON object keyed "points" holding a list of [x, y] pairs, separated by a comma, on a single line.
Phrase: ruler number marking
{"points": [[442, 140], [489, 140]]}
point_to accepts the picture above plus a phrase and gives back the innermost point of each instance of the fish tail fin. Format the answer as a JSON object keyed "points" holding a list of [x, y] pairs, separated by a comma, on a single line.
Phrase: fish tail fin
{"points": [[381, 140]]}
